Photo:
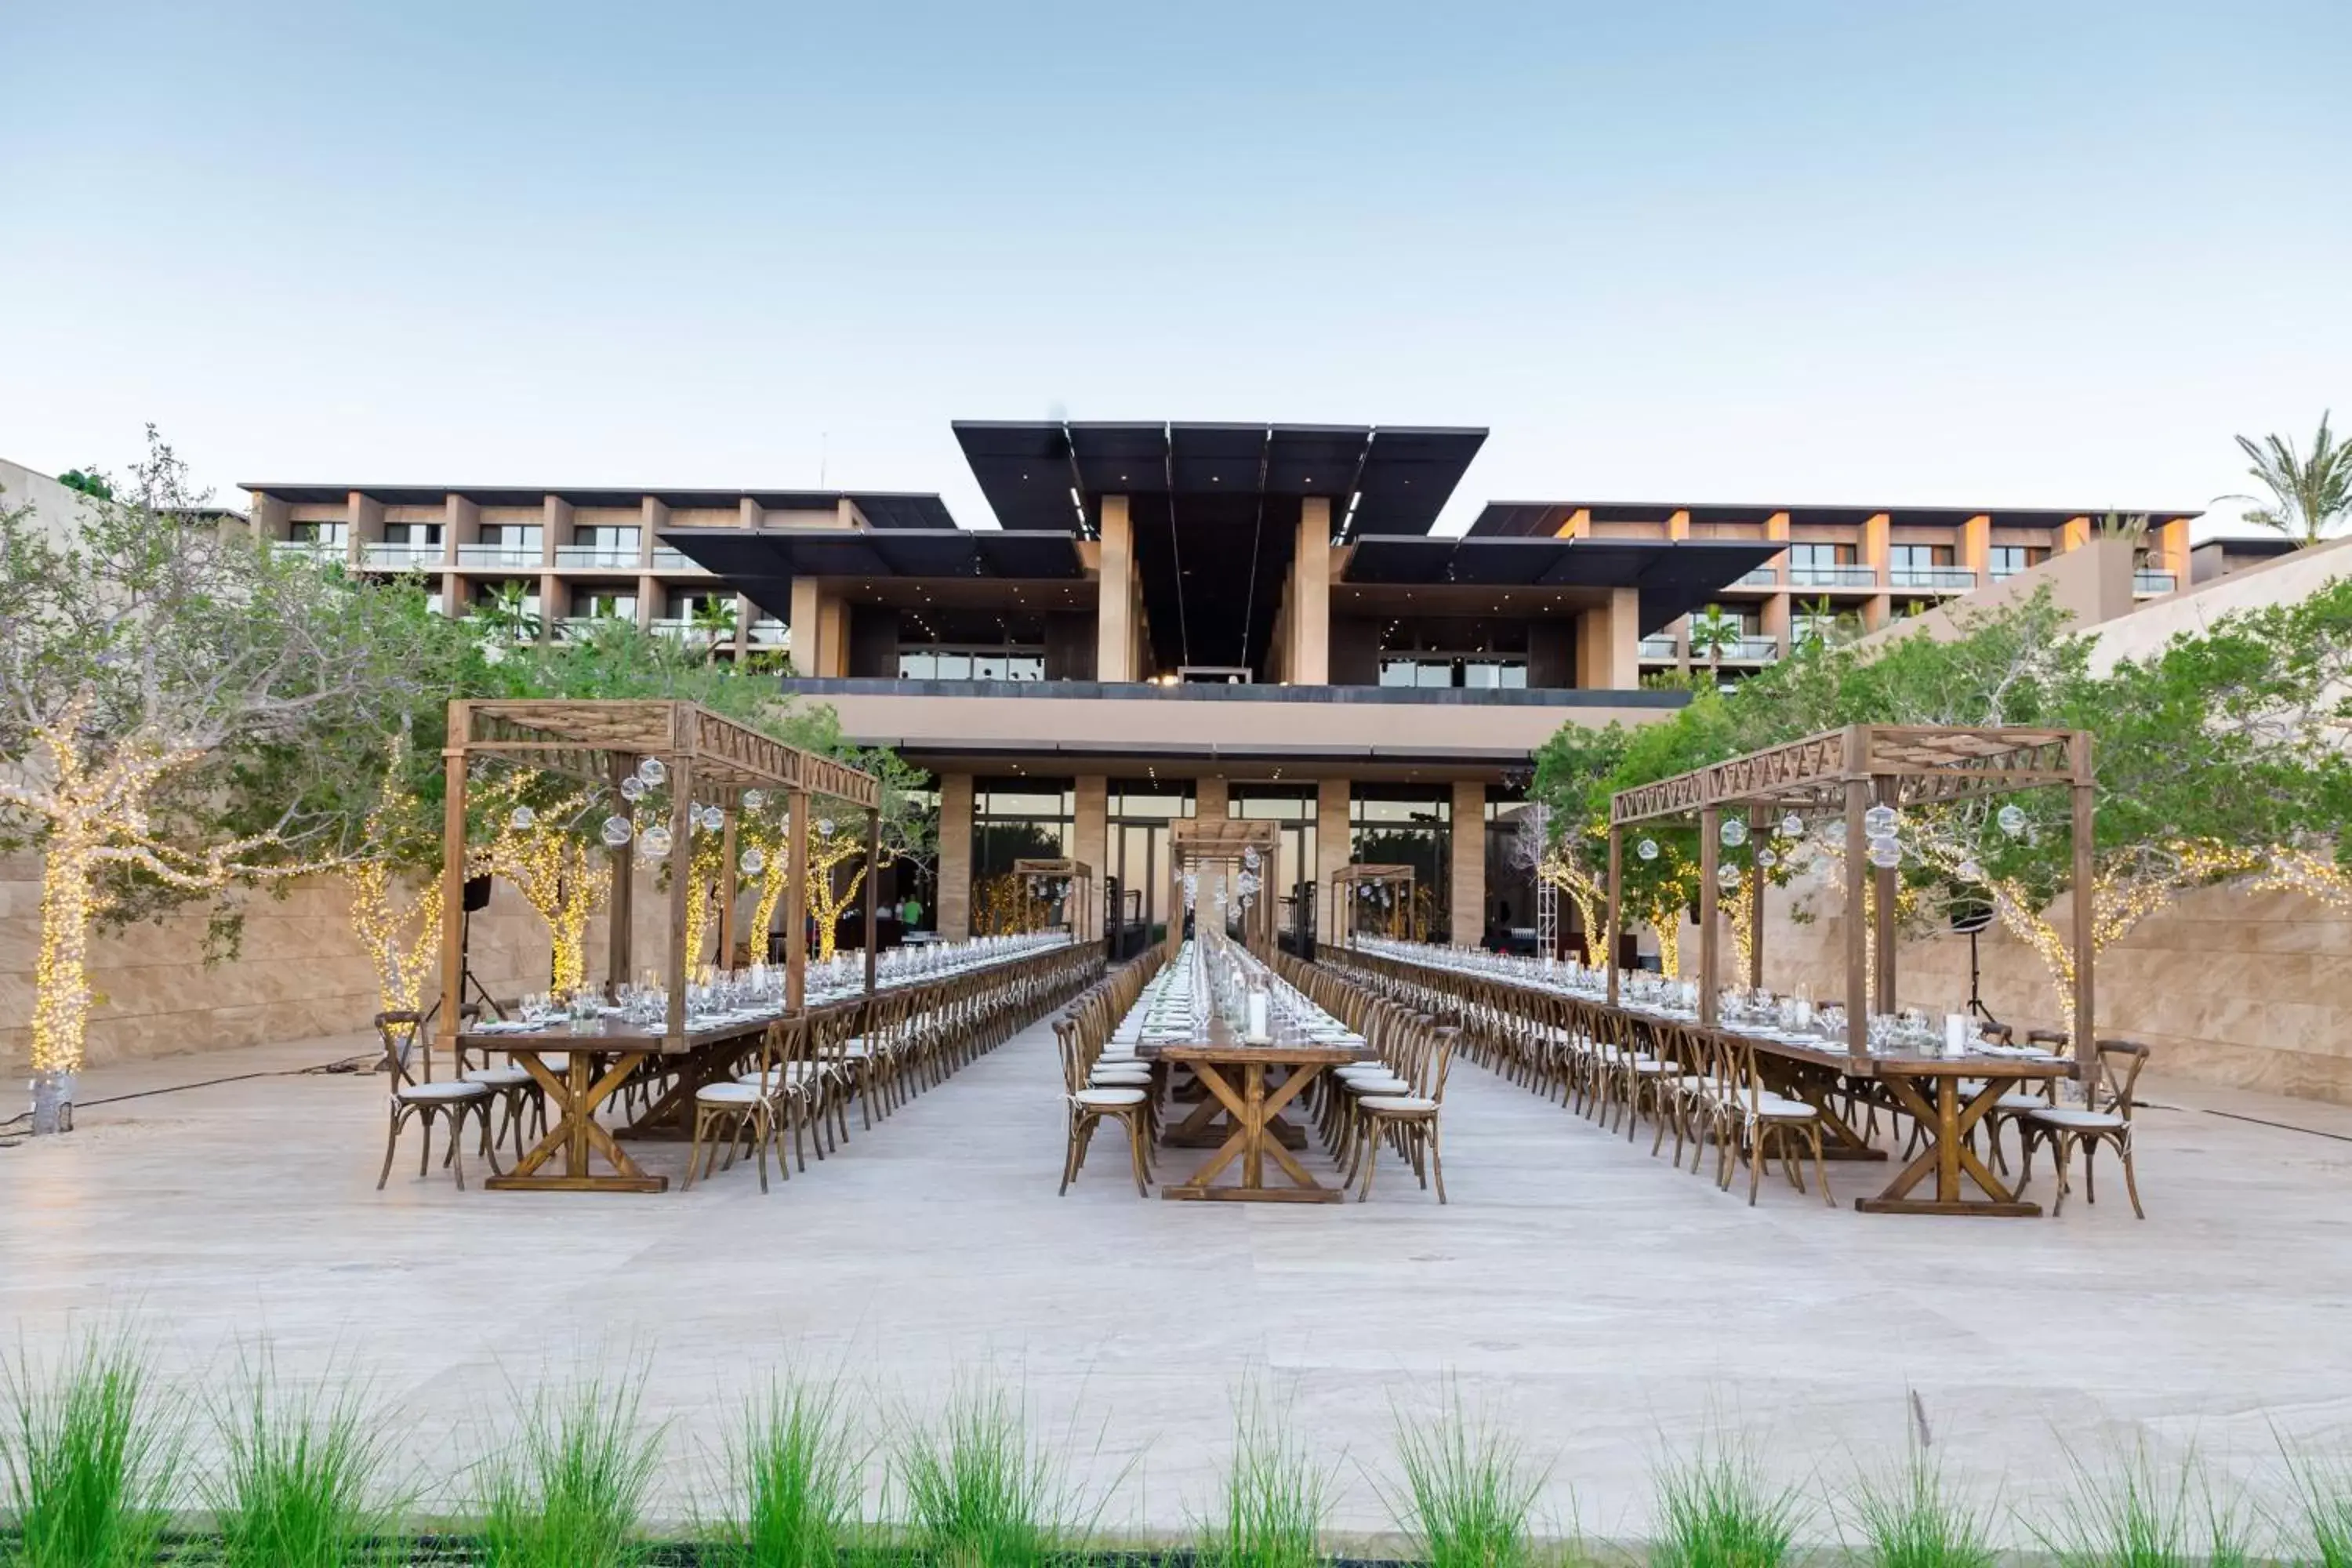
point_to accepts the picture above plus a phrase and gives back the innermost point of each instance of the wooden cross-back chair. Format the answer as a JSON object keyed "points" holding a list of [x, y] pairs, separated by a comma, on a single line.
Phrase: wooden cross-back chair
{"points": [[418, 1097], [2105, 1121]]}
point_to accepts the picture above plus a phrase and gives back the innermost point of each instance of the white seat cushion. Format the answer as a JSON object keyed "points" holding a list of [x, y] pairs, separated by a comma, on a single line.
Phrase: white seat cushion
{"points": [[1398, 1103], [447, 1090], [1118, 1077], [1108, 1097], [2019, 1099], [500, 1077], [728, 1094], [1368, 1086], [2072, 1117]]}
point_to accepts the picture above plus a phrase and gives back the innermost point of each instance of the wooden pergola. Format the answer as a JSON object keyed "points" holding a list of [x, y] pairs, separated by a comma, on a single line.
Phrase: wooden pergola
{"points": [[1081, 879], [709, 759], [1348, 879], [1852, 770], [1216, 843]]}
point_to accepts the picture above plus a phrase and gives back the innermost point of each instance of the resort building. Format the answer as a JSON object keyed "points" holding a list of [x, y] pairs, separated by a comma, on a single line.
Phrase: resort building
{"points": [[1185, 620]]}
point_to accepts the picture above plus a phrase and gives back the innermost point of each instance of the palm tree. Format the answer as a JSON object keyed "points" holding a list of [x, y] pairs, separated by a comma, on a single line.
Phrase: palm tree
{"points": [[2308, 495], [1714, 634], [506, 616], [714, 617]]}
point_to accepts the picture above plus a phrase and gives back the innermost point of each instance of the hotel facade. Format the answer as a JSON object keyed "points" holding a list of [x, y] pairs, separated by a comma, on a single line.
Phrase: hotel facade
{"points": [[1185, 620]]}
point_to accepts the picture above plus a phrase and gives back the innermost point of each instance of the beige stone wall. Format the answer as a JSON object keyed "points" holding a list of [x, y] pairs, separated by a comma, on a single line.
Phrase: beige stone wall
{"points": [[2247, 990]]}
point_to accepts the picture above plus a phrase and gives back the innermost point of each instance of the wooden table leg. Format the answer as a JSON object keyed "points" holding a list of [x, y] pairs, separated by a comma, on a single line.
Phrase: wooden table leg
{"points": [[575, 1098], [1250, 1111], [1948, 1124]]}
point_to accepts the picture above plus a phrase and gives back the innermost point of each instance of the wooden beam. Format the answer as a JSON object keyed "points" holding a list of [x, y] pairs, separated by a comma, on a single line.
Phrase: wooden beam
{"points": [[1609, 927], [1710, 957], [1758, 826], [2086, 1050], [1857, 979], [620, 916], [873, 882], [681, 857], [1888, 880], [796, 903], [453, 874]]}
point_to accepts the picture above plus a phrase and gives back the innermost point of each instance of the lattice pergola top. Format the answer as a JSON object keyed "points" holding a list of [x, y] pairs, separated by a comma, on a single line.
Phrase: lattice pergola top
{"points": [[1077, 870], [1915, 764], [1358, 871], [1205, 840], [582, 738]]}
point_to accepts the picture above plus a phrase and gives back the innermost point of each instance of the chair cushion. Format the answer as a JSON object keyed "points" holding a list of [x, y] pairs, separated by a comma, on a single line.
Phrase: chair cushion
{"points": [[500, 1077], [1367, 1087], [2077, 1118], [1108, 1097], [1118, 1077], [728, 1094], [2019, 1099], [1397, 1102], [448, 1089]]}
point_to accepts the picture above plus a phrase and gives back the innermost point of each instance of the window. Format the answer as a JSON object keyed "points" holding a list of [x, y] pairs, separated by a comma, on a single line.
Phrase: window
{"points": [[1821, 556], [416, 535], [685, 604], [1808, 628], [942, 661], [2009, 560], [614, 538], [1918, 557], [317, 532], [512, 536], [612, 606], [1435, 671]]}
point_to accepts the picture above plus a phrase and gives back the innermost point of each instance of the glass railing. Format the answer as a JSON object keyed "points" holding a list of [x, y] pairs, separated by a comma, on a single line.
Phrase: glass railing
{"points": [[1852, 577], [612, 557], [310, 548], [1944, 578], [679, 626], [1660, 648], [2154, 582], [1755, 650], [768, 634], [402, 557], [668, 559], [1762, 577], [497, 555]]}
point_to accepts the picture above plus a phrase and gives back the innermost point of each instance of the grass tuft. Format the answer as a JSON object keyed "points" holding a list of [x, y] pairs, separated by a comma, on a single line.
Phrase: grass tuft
{"points": [[1716, 1509], [2323, 1489], [978, 1492], [1469, 1490], [302, 1477], [1276, 1501], [570, 1493], [1912, 1520], [91, 1454], [2137, 1515], [796, 1474]]}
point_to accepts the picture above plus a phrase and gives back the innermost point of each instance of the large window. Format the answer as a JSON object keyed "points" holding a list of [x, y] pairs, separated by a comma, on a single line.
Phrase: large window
{"points": [[1140, 811], [1403, 824], [1918, 557], [1015, 819], [2009, 560], [1821, 556], [947, 662], [1290, 880]]}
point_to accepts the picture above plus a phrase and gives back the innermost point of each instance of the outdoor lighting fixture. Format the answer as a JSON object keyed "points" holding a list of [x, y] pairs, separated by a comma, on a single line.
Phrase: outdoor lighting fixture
{"points": [[1793, 826], [713, 818], [633, 788], [1249, 857], [1647, 850], [1885, 854], [1766, 859], [2011, 818], [1879, 821], [522, 818], [753, 799], [824, 828], [1734, 833], [1970, 871], [1834, 832], [617, 831], [654, 842], [1727, 877], [652, 771], [753, 862]]}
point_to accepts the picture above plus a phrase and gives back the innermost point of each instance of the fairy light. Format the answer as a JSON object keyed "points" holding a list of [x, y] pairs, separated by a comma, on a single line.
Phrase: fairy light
{"points": [[382, 921], [563, 879]]}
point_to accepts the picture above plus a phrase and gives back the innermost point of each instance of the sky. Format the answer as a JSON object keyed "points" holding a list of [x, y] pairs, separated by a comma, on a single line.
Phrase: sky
{"points": [[2034, 254]]}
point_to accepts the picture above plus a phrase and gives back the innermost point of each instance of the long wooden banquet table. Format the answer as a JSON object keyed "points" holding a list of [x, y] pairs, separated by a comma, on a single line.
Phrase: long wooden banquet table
{"points": [[1933, 1090], [600, 1061]]}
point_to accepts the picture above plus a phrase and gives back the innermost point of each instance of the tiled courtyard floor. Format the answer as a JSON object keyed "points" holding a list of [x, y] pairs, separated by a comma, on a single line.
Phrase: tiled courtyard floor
{"points": [[1604, 1304]]}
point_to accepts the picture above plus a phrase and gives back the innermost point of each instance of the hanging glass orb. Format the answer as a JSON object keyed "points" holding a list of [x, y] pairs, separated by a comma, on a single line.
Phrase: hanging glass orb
{"points": [[824, 828], [633, 788], [1793, 826], [1885, 854], [652, 770], [752, 862], [714, 819], [1834, 832], [654, 842], [1727, 877], [753, 799], [522, 817], [1734, 833], [1970, 871], [617, 831], [1647, 850], [1367, 891], [2011, 818], [1879, 821], [1766, 859], [1249, 857]]}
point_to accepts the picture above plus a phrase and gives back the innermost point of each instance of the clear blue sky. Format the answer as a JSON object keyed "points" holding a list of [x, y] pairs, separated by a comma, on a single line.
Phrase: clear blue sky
{"points": [[2002, 254]]}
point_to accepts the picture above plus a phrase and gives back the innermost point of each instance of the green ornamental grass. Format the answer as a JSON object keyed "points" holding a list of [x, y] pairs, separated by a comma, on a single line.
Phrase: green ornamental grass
{"points": [[2136, 1515], [978, 1492], [1468, 1491], [2323, 1489], [1913, 1519], [571, 1490], [91, 1456], [1716, 1509], [303, 1478], [796, 1478], [1276, 1498]]}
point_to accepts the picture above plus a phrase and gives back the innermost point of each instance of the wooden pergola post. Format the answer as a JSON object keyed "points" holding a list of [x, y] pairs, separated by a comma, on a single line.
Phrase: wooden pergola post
{"points": [[2086, 1050], [727, 892], [873, 883], [1609, 924], [1756, 827], [1857, 945], [1886, 886], [1710, 941], [796, 903], [620, 913], [681, 881], [453, 871]]}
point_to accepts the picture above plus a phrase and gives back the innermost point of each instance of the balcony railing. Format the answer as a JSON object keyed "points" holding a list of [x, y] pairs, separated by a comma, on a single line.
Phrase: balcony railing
{"points": [[1762, 577], [310, 548], [1847, 576], [1941, 579], [1661, 647], [499, 556], [606, 557], [668, 559], [768, 634], [2154, 582], [1742, 650], [403, 557], [681, 626]]}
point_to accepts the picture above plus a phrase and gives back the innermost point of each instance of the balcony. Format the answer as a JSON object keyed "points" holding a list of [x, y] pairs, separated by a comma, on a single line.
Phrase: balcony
{"points": [[769, 634], [1841, 576], [506, 555], [681, 627], [403, 557], [1742, 650], [310, 548], [596, 557], [1936, 579], [2147, 584], [1660, 649], [1762, 577], [668, 559]]}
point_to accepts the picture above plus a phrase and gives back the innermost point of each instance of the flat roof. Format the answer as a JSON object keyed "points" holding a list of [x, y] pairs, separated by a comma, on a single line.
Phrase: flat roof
{"points": [[1053, 473], [1674, 577], [1544, 518], [761, 564], [882, 508]]}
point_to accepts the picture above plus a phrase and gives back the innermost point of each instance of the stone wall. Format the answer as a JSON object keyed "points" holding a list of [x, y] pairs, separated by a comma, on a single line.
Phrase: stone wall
{"points": [[2247, 990]]}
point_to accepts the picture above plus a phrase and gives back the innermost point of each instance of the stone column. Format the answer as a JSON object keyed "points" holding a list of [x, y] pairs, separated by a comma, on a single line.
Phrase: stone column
{"points": [[1091, 843], [955, 855], [1211, 798], [817, 627], [1976, 547], [364, 526], [1332, 850], [1608, 643], [1468, 900], [1310, 597], [1114, 630]]}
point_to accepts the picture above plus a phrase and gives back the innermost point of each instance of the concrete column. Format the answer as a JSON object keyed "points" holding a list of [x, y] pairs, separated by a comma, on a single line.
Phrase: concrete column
{"points": [[749, 512], [1976, 546], [818, 624], [1091, 830], [1114, 630], [2168, 551], [364, 525], [1608, 643], [1310, 600], [555, 528], [461, 524], [1468, 894], [269, 516], [955, 855], [1210, 799], [1678, 523], [1332, 850]]}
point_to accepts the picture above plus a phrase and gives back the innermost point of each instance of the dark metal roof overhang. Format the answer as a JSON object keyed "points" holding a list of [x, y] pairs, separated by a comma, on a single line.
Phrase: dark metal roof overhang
{"points": [[1674, 577], [761, 563]]}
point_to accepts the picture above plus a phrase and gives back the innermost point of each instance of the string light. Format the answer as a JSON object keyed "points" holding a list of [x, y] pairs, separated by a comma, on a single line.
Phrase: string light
{"points": [[401, 936], [565, 880]]}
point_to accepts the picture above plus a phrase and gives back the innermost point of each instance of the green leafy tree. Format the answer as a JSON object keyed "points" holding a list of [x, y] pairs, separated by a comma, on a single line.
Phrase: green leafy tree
{"points": [[1712, 635], [2308, 493], [714, 619], [90, 482]]}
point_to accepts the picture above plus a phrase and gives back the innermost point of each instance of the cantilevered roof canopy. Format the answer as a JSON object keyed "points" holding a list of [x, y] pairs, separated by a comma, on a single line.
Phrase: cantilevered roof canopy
{"points": [[1675, 577], [761, 563], [1546, 519], [1055, 473]]}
